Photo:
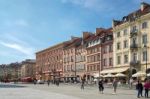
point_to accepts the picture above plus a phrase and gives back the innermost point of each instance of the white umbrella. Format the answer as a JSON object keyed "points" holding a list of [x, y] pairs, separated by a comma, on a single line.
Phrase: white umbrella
{"points": [[120, 75], [109, 75], [97, 75], [148, 74], [139, 74]]}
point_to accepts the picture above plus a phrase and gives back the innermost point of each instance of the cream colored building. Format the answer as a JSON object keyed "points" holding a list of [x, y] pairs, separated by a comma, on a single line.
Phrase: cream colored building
{"points": [[130, 36], [27, 69]]}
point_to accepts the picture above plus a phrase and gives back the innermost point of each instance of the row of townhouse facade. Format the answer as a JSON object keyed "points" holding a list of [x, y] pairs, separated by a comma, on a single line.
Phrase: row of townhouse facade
{"points": [[124, 48], [20, 71], [78, 57]]}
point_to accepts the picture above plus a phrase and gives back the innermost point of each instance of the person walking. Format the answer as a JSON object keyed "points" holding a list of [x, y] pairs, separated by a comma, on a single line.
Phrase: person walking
{"points": [[57, 81], [35, 81], [82, 83], [146, 87], [131, 83], [115, 84], [101, 87], [48, 82], [139, 88]]}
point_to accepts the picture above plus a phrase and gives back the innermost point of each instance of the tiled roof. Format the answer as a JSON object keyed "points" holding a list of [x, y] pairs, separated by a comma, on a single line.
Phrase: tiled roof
{"points": [[72, 43], [134, 15]]}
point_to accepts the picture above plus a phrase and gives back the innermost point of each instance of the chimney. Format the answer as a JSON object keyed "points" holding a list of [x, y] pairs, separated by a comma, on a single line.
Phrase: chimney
{"points": [[86, 35], [99, 30]]}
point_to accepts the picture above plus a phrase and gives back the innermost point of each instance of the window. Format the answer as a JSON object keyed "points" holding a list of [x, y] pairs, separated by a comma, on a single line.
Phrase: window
{"points": [[134, 28], [134, 56], [125, 58], [64, 60], [110, 61], [125, 31], [110, 48], [144, 25], [144, 39], [125, 44], [105, 49], [95, 49], [98, 57], [144, 56], [119, 60], [134, 41], [118, 34], [118, 45], [104, 62], [94, 59], [72, 59]]}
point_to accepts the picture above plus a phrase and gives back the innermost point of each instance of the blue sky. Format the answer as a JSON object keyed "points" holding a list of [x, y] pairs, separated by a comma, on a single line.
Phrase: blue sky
{"points": [[27, 26]]}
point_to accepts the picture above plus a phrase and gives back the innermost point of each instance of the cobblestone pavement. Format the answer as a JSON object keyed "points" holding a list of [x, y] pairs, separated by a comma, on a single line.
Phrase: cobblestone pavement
{"points": [[17, 92], [30, 91]]}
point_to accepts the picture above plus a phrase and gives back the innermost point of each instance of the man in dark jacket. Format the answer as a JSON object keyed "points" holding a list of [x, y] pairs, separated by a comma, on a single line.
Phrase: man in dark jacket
{"points": [[101, 87], [139, 88]]}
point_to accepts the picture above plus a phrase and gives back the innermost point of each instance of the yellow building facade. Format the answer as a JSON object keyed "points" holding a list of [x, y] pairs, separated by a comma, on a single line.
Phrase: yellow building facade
{"points": [[132, 40]]}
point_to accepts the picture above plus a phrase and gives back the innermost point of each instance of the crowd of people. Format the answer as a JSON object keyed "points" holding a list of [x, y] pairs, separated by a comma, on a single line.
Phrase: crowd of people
{"points": [[140, 86]]}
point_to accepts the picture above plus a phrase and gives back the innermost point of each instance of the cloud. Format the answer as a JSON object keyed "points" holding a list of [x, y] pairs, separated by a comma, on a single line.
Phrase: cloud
{"points": [[21, 22], [97, 5], [25, 50], [18, 22]]}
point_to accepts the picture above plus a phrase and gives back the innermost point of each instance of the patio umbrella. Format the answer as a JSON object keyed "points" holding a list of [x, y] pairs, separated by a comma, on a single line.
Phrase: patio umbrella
{"points": [[120, 75], [97, 75], [139, 74], [109, 75], [148, 74]]}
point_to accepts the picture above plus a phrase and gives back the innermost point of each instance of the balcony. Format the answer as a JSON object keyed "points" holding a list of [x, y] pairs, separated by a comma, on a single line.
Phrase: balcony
{"points": [[133, 33], [135, 63], [134, 46]]}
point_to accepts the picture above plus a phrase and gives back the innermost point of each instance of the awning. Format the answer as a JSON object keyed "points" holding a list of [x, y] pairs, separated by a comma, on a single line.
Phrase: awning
{"points": [[115, 70], [109, 75], [120, 75], [139, 74]]}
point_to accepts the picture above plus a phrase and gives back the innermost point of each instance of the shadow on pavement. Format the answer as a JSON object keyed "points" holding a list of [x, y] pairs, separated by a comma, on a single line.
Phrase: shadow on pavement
{"points": [[10, 86]]}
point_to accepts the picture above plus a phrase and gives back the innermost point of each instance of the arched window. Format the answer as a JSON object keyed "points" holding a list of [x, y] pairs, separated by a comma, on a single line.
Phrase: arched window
{"points": [[133, 71]]}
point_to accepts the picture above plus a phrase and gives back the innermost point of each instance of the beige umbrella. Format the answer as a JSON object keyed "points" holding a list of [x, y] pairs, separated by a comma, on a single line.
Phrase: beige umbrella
{"points": [[139, 74], [120, 75], [109, 75]]}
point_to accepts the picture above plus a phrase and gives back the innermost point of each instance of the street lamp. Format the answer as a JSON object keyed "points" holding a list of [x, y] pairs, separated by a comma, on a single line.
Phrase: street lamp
{"points": [[145, 46]]}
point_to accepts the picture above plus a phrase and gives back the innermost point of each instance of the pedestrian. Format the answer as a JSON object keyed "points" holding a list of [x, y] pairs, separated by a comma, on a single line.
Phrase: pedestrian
{"points": [[146, 87], [35, 81], [115, 84], [48, 82], [101, 87], [139, 88], [131, 83], [82, 83], [57, 82]]}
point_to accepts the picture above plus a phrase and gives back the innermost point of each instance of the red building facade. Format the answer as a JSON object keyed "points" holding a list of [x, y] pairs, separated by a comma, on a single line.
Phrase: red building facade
{"points": [[69, 58], [106, 49], [49, 62]]}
